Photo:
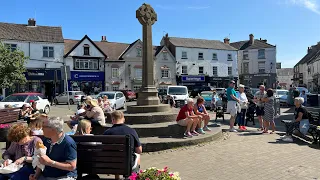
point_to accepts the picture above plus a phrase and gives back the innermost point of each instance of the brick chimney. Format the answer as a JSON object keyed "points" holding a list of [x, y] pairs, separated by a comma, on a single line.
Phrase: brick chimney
{"points": [[226, 40], [166, 40], [31, 22], [251, 39], [309, 50], [103, 38]]}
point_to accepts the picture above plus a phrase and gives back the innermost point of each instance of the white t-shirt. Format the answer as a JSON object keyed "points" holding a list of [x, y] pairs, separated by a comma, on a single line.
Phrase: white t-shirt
{"points": [[243, 99]]}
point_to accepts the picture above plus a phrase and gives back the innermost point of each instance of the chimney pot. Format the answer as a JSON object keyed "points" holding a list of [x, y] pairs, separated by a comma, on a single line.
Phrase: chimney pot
{"points": [[166, 40], [31, 22], [251, 38], [103, 38], [226, 40]]}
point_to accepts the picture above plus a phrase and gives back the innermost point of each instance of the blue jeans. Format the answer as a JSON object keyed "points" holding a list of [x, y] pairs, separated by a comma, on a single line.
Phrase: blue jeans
{"points": [[22, 174], [241, 116], [304, 126]]}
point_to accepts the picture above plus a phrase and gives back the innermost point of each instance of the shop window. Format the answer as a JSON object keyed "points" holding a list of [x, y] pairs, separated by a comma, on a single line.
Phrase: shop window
{"points": [[184, 70], [87, 64], [115, 87], [261, 54], [138, 73], [229, 71], [165, 73], [136, 87], [88, 87], [115, 72], [48, 51], [86, 50]]}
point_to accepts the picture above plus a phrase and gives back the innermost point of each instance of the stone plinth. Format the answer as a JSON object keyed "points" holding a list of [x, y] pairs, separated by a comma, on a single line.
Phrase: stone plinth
{"points": [[147, 108]]}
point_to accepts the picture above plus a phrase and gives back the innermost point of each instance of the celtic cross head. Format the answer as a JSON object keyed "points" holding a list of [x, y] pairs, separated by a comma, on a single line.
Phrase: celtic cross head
{"points": [[146, 15]]}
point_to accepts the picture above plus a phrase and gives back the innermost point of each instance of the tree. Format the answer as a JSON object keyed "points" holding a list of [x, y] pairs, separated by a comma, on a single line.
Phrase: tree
{"points": [[12, 66]]}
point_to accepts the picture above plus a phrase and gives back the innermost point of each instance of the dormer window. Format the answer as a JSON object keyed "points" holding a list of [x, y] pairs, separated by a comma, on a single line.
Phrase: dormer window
{"points": [[86, 50], [139, 53]]}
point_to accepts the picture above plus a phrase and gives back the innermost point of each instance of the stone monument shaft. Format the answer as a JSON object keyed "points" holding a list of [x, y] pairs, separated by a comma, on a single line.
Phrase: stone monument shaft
{"points": [[148, 94]]}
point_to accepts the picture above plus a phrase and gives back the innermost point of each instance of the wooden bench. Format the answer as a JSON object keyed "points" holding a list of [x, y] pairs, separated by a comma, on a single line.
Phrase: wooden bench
{"points": [[107, 155], [9, 115]]}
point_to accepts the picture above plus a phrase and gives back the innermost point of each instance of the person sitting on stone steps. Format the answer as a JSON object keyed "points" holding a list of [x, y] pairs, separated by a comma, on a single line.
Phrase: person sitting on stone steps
{"points": [[203, 115], [186, 117]]}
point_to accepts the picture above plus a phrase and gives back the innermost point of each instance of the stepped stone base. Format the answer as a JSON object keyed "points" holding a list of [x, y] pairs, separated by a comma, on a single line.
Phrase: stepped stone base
{"points": [[148, 108]]}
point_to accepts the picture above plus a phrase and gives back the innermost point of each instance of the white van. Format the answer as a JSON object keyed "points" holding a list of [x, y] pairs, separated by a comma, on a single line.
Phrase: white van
{"points": [[179, 93]]}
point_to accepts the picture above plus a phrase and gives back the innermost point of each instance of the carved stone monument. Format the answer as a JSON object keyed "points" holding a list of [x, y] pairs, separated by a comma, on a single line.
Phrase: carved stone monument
{"points": [[148, 94]]}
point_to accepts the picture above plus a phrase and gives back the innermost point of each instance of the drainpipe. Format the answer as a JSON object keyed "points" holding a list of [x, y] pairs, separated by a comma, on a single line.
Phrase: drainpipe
{"points": [[104, 70]]}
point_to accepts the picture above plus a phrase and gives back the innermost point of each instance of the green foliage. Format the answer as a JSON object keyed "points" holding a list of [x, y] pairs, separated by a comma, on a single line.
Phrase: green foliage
{"points": [[12, 66]]}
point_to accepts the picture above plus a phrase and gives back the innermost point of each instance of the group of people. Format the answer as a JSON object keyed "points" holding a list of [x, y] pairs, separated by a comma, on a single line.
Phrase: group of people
{"points": [[28, 111], [60, 159]]}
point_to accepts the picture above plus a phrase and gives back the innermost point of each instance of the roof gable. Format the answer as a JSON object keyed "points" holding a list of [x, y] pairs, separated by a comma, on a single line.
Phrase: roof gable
{"points": [[23, 32], [200, 43], [160, 49], [245, 45], [68, 52], [130, 49]]}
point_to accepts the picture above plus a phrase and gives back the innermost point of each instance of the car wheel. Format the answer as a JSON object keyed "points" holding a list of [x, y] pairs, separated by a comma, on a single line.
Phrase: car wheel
{"points": [[71, 101], [46, 110], [56, 101]]}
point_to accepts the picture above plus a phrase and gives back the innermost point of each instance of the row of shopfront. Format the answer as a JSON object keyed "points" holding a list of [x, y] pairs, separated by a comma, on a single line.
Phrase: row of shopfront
{"points": [[49, 81], [218, 82]]}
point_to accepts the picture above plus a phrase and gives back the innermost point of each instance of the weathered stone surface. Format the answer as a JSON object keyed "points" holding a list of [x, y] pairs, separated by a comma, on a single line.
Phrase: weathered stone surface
{"points": [[146, 15], [148, 108]]}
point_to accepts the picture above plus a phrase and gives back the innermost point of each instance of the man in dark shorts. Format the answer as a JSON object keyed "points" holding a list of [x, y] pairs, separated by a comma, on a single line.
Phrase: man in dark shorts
{"points": [[260, 105]]}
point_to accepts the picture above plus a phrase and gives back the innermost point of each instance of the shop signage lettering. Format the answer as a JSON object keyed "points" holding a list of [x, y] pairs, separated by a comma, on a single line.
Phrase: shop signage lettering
{"points": [[216, 79], [76, 76], [193, 78], [262, 75], [35, 74]]}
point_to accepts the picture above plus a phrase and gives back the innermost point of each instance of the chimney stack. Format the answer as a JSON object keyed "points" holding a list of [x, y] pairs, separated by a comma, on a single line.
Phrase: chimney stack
{"points": [[166, 40], [251, 38], [309, 50], [103, 38], [226, 40], [31, 22]]}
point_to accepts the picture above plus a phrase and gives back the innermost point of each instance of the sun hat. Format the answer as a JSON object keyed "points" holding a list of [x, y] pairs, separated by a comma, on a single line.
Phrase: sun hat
{"points": [[88, 99], [94, 103]]}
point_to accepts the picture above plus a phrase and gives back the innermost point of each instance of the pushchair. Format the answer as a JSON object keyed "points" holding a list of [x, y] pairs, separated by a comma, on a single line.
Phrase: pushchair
{"points": [[250, 112], [219, 109]]}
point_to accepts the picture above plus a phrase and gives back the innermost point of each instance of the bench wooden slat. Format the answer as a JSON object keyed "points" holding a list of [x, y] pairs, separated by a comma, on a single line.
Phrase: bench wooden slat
{"points": [[101, 165], [102, 147], [100, 153], [102, 171], [104, 159], [111, 139]]}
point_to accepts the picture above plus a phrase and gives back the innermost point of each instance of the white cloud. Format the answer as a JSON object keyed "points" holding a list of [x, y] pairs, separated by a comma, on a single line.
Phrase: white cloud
{"points": [[312, 5]]}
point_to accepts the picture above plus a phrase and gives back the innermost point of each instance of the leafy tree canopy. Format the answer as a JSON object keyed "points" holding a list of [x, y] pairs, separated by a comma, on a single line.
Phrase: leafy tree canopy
{"points": [[12, 66]]}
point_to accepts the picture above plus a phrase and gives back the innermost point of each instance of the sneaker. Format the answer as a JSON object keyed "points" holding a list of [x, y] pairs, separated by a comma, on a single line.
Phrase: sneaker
{"points": [[233, 130], [187, 134], [284, 136], [206, 128], [287, 139], [200, 131], [194, 133], [244, 128]]}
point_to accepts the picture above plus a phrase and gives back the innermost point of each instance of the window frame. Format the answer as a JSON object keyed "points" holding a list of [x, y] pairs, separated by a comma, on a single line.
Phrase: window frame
{"points": [[261, 56], [215, 74], [200, 56], [138, 70], [165, 55], [139, 52], [229, 59], [165, 72], [260, 70], [113, 70], [77, 64], [202, 69], [47, 50], [115, 87], [186, 55], [243, 66], [245, 55], [216, 56], [9, 46], [86, 49], [229, 70], [186, 70]]}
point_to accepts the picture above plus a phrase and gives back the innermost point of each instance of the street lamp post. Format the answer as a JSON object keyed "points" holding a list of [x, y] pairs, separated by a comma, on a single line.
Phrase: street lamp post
{"points": [[65, 79]]}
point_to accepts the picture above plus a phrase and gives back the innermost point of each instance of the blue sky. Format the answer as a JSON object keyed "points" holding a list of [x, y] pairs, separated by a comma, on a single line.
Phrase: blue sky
{"points": [[292, 25]]}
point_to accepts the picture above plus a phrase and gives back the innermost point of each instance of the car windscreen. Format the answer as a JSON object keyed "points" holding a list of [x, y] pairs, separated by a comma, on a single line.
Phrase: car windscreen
{"points": [[281, 92], [177, 91], [15, 98], [206, 94], [109, 95]]}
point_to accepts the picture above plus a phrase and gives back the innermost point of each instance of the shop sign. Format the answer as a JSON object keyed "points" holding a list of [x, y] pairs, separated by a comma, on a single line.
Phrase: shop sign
{"points": [[259, 75], [35, 74], [193, 78], [87, 76], [216, 79]]}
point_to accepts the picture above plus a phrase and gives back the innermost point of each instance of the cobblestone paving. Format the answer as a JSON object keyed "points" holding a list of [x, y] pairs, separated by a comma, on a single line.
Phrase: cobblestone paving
{"points": [[241, 156]]}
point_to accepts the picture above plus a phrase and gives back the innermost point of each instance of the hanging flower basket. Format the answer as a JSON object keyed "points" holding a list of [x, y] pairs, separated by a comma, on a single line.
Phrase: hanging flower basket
{"points": [[4, 128], [155, 174]]}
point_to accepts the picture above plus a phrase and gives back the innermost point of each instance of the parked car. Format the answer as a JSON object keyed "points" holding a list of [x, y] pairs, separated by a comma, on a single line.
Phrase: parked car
{"points": [[254, 90], [18, 99], [117, 99], [74, 97], [130, 95], [195, 91], [207, 96], [220, 90]]}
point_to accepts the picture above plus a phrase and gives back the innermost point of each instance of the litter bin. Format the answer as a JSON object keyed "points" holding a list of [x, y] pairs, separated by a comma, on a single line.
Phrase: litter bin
{"points": [[277, 105], [313, 100]]}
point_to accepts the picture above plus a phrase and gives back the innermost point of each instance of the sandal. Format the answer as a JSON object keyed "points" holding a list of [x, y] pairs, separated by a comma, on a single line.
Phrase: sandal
{"points": [[265, 132], [271, 132], [260, 129]]}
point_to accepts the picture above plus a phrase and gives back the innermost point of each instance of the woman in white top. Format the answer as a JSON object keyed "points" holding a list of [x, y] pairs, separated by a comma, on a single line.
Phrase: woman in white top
{"points": [[244, 106]]}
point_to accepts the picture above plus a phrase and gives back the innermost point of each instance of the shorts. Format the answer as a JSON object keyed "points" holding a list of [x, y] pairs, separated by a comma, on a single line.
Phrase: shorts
{"points": [[304, 126], [260, 111], [232, 108], [183, 122], [74, 122]]}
